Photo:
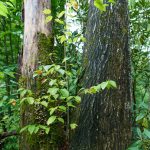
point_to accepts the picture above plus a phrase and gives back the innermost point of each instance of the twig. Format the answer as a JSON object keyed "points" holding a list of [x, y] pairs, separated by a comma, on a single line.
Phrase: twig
{"points": [[8, 134]]}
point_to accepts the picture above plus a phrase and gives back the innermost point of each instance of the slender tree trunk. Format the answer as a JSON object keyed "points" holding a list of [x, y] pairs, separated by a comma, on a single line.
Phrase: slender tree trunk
{"points": [[38, 43], [10, 42], [7, 80], [105, 118]]}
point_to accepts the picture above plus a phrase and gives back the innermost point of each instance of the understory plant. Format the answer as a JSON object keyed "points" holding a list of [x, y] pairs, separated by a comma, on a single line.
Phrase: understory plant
{"points": [[140, 27], [56, 99]]}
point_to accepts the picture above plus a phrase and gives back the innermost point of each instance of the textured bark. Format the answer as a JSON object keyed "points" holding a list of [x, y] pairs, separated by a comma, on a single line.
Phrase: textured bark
{"points": [[105, 118], [34, 25], [37, 45]]}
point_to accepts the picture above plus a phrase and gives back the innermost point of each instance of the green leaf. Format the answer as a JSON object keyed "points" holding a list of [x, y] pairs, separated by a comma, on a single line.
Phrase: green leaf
{"points": [[9, 73], [147, 132], [65, 59], [63, 108], [52, 110], [47, 130], [44, 103], [83, 39], [139, 132], [68, 33], [140, 116], [68, 73], [93, 90], [31, 128], [64, 93], [112, 84], [111, 1], [73, 126], [56, 96], [51, 120], [48, 19], [70, 40], [143, 105], [23, 129], [53, 91], [1, 75], [145, 123], [22, 100], [5, 98], [42, 127], [61, 71], [9, 4], [62, 39], [61, 14], [61, 120], [36, 129], [30, 100], [13, 2], [3, 9], [69, 104], [57, 67], [47, 11], [70, 98], [135, 145], [59, 21], [78, 99], [75, 39], [134, 148], [47, 67], [1, 103], [52, 82], [103, 85], [100, 5]]}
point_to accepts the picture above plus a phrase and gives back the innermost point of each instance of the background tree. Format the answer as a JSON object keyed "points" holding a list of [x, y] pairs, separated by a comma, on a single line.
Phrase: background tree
{"points": [[105, 119], [10, 41]]}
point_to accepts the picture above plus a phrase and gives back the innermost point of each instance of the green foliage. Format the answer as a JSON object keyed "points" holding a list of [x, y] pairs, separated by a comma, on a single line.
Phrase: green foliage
{"points": [[142, 132], [139, 15], [33, 129], [57, 99], [47, 11], [10, 41], [3, 9], [101, 5], [73, 126]]}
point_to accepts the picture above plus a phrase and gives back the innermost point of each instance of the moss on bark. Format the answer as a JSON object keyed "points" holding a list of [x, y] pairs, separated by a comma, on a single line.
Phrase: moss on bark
{"points": [[31, 114], [45, 46]]}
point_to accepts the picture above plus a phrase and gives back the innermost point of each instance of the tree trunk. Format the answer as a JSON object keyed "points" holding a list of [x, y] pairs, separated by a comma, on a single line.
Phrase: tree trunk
{"points": [[38, 43], [105, 118]]}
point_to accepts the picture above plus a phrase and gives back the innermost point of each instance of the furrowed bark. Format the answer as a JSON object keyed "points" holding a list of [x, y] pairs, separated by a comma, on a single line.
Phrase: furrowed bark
{"points": [[105, 118]]}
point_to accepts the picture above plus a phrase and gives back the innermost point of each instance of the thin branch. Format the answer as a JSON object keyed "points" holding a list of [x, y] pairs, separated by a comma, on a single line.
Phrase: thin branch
{"points": [[8, 134]]}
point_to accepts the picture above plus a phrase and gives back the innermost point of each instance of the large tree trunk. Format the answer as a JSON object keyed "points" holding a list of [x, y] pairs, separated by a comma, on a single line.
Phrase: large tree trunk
{"points": [[105, 118], [34, 26], [38, 43]]}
